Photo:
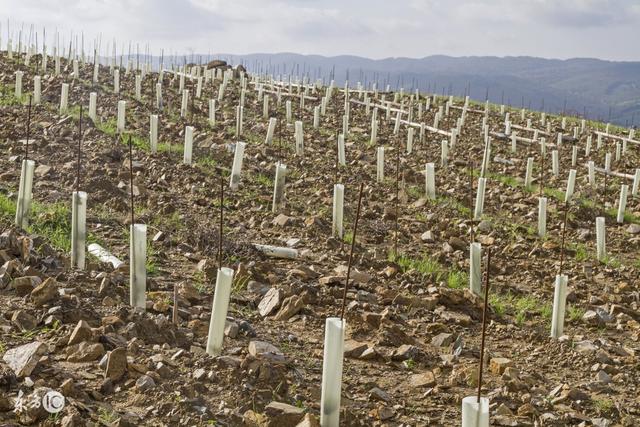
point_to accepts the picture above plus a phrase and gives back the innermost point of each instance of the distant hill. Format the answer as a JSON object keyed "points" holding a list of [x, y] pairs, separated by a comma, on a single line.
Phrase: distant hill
{"points": [[605, 90]]}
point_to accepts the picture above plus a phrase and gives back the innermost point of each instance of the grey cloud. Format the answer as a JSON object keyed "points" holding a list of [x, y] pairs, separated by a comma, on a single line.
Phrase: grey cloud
{"points": [[375, 28]]}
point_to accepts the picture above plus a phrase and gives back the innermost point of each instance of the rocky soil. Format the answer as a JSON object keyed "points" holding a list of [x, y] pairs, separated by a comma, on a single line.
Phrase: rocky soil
{"points": [[413, 339]]}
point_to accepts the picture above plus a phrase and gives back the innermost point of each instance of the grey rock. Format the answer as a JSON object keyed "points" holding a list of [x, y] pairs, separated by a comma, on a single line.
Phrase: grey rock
{"points": [[603, 377], [633, 229], [427, 237], [23, 360], [23, 320], [45, 292], [265, 350], [82, 332], [116, 364], [442, 340], [145, 383], [271, 302], [283, 415]]}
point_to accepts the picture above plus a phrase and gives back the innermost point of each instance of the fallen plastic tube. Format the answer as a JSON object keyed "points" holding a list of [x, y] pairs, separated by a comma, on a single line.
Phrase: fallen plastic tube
{"points": [[276, 252], [104, 255]]}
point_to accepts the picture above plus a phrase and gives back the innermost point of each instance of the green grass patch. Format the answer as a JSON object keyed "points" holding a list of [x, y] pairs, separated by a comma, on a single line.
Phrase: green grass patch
{"points": [[457, 279], [136, 141], [581, 252], [604, 405], [575, 313], [207, 162], [427, 266], [106, 416], [108, 127], [555, 193], [628, 216], [611, 261], [414, 192], [53, 221], [264, 180], [520, 308]]}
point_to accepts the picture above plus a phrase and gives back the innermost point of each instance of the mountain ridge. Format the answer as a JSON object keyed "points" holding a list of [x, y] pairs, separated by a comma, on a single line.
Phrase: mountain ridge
{"points": [[593, 88]]}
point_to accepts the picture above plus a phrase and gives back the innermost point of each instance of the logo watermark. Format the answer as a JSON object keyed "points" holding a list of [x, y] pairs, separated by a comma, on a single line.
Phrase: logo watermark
{"points": [[52, 402]]}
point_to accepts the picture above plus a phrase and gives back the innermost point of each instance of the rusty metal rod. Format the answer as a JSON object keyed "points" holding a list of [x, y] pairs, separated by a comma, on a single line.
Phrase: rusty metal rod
{"points": [[484, 322], [353, 244]]}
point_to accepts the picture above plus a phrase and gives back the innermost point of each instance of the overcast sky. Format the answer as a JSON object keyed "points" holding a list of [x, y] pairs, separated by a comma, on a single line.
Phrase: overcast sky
{"points": [[606, 29]]}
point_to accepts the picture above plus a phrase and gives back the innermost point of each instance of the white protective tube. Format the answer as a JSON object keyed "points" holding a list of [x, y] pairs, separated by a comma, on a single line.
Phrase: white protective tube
{"points": [[396, 126], [288, 111], [571, 184], [24, 193], [18, 87], [184, 105], [338, 207], [559, 303], [116, 81], [137, 265], [221, 296], [622, 203], [78, 228], [636, 183], [104, 255], [96, 72], [430, 181], [591, 172], [475, 268], [276, 251], [265, 107], [374, 127], [542, 216], [199, 88], [380, 164], [299, 138], [316, 117], [159, 95], [574, 156], [270, 131], [153, 133], [410, 132], [341, 152], [121, 123], [528, 177], [278, 187], [37, 90], [555, 163], [239, 120], [93, 101], [444, 152], [475, 414], [64, 98], [477, 214], [486, 157], [587, 147], [332, 372], [601, 248], [188, 145], [236, 168], [138, 87], [345, 125]]}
